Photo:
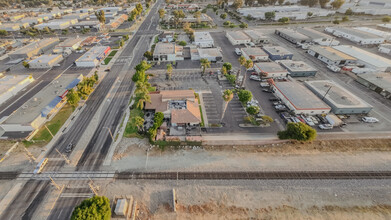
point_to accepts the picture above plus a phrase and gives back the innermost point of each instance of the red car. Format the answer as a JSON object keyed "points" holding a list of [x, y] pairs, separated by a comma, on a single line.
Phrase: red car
{"points": [[254, 74]]}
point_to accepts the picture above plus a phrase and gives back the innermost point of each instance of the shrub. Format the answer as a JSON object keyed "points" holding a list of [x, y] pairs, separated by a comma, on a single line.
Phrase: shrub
{"points": [[223, 16], [231, 78], [267, 119], [245, 96], [252, 110], [97, 207], [349, 11], [298, 131], [386, 19], [182, 43]]}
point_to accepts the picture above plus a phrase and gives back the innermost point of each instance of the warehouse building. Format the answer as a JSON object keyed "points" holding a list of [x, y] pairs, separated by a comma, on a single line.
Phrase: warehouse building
{"points": [[58, 24], [84, 10], [237, 37], [378, 82], [255, 54], [298, 68], [203, 39], [366, 58], [299, 99], [330, 55], [10, 85], [168, 52], [356, 36], [32, 20], [383, 34], [45, 61], [94, 25], [385, 48], [384, 27], [34, 48], [10, 27], [40, 108], [211, 54], [70, 44], [278, 53], [270, 70], [318, 37], [78, 16], [257, 37], [292, 36], [93, 57], [338, 98]]}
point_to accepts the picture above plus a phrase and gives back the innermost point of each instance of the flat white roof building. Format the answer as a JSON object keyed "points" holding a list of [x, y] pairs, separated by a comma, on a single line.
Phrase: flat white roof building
{"points": [[330, 55], [69, 44], [299, 99], [318, 37], [211, 54], [203, 39], [10, 85], [255, 54], [270, 70], [84, 10], [10, 27], [378, 82], [383, 34], [385, 48], [34, 48], [292, 35], [354, 35], [385, 27], [58, 24], [256, 36], [338, 98], [45, 61], [298, 68], [93, 57], [237, 37], [370, 60]]}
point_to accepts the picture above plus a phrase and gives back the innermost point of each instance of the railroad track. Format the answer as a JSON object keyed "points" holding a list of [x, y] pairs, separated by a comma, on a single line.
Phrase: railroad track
{"points": [[254, 175], [8, 175]]}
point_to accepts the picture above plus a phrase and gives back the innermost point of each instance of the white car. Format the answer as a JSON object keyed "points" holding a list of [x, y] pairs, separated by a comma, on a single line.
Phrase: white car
{"points": [[255, 78], [325, 126], [238, 51], [370, 120], [334, 68]]}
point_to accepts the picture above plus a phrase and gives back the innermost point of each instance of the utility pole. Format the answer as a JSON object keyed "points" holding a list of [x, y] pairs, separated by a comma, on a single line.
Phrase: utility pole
{"points": [[65, 157], [54, 183], [92, 187], [49, 131], [29, 155], [111, 134]]}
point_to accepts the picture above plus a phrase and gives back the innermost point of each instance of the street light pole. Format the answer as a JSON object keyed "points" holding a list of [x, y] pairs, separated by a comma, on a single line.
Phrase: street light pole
{"points": [[111, 134]]}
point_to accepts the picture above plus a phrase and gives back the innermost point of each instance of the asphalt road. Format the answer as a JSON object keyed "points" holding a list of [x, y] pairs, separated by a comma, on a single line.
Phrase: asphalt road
{"points": [[98, 146]]}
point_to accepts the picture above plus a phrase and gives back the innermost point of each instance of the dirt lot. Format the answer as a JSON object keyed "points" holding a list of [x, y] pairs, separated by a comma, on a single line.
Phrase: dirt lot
{"points": [[17, 159]]}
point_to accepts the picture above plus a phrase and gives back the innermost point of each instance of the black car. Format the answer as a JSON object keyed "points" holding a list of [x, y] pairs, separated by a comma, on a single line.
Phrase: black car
{"points": [[274, 99], [266, 90], [69, 148]]}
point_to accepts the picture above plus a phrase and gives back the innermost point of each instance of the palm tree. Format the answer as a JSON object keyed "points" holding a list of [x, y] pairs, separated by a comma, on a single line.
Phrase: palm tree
{"points": [[242, 61], [138, 122], [169, 71], [249, 64], [142, 98], [227, 97], [205, 63], [142, 87]]}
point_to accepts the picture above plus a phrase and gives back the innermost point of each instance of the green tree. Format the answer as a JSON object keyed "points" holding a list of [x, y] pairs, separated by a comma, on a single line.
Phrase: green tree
{"points": [[148, 55], [100, 15], [243, 25], [205, 63], [336, 21], [270, 15], [26, 64], [169, 71], [323, 3], [345, 18], [309, 14], [252, 110], [386, 19], [72, 97], [182, 43], [283, 20], [178, 16], [267, 119], [227, 97], [224, 70], [298, 131], [248, 64], [197, 16], [228, 66], [336, 4], [223, 16], [349, 11], [162, 12], [280, 2], [138, 122], [263, 2], [272, 2], [245, 96], [139, 8], [97, 207], [231, 78], [242, 62], [237, 4], [3, 33], [142, 98]]}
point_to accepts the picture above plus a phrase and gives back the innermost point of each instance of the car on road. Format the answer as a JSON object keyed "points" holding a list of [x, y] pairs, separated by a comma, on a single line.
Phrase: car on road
{"points": [[69, 148], [238, 51], [334, 68], [325, 126], [266, 90], [370, 120]]}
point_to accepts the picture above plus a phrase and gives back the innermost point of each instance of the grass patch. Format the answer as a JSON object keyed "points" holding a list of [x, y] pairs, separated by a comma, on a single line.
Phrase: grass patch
{"points": [[107, 60], [130, 129], [55, 124], [27, 143], [152, 89], [113, 53], [202, 117]]}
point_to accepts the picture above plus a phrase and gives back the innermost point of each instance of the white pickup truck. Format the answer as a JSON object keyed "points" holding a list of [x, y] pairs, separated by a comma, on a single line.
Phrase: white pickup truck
{"points": [[334, 68]]}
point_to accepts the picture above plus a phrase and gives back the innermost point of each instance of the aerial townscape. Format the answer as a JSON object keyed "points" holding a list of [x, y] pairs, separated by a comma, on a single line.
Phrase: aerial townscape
{"points": [[195, 109]]}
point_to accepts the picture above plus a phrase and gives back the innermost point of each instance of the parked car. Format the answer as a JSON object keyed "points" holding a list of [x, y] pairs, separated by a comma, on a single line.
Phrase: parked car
{"points": [[254, 74], [325, 126], [309, 121], [255, 78], [273, 99], [238, 51], [266, 90], [277, 103], [370, 120], [334, 68]]}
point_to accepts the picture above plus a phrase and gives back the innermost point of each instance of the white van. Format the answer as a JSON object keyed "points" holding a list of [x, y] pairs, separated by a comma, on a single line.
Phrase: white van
{"points": [[238, 51]]}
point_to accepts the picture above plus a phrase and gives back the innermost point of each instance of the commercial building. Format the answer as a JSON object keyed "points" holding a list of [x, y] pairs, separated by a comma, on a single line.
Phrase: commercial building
{"points": [[211, 54], [255, 54], [70, 44], [270, 70], [298, 68], [45, 61], [93, 57], [338, 98], [298, 98], [292, 36], [58, 24], [16, 17], [34, 48], [366, 58], [185, 7], [77, 16], [32, 20], [180, 106], [111, 9], [167, 52], [385, 48], [40, 108], [318, 37], [257, 37], [84, 10], [237, 37], [278, 53], [384, 27], [203, 39], [378, 82], [117, 21], [330, 55], [95, 25], [356, 36], [10, 85], [10, 27], [382, 34]]}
